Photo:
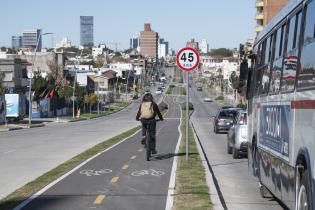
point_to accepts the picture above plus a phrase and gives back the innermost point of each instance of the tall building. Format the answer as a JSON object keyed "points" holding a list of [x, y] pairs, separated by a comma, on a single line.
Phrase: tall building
{"points": [[17, 42], [204, 46], [148, 42], [162, 41], [266, 10], [192, 43], [86, 31], [134, 42], [30, 39]]}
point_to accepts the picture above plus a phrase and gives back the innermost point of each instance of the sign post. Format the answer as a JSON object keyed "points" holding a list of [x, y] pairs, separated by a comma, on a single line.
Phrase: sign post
{"points": [[187, 59]]}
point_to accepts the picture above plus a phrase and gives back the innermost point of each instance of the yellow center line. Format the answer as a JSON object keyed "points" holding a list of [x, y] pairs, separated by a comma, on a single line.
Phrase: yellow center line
{"points": [[99, 199], [114, 179], [133, 157], [125, 167], [140, 150]]}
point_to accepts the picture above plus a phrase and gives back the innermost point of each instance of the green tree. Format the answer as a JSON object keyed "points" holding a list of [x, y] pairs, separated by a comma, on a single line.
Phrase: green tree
{"points": [[40, 84], [221, 53], [90, 99], [1, 83]]}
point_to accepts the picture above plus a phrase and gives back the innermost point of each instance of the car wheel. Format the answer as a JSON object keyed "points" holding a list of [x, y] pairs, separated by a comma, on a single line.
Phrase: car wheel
{"points": [[229, 149], [235, 153]]}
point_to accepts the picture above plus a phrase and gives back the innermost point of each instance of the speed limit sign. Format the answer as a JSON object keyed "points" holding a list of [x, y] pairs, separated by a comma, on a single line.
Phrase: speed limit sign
{"points": [[187, 59]]}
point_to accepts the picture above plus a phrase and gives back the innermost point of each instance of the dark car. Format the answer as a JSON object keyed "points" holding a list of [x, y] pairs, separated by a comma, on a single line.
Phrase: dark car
{"points": [[224, 119], [199, 88]]}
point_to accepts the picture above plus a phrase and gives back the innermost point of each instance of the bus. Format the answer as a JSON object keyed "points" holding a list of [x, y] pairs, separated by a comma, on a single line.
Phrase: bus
{"points": [[281, 106]]}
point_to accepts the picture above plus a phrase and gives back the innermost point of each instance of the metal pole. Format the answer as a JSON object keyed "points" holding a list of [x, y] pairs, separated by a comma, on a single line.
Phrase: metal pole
{"points": [[187, 115], [30, 90], [98, 94], [75, 78]]}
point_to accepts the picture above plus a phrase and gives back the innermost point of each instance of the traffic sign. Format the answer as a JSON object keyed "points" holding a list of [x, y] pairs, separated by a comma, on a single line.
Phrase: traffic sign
{"points": [[187, 59]]}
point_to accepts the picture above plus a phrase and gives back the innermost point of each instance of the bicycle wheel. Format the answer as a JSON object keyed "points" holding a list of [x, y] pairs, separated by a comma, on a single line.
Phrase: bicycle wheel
{"points": [[148, 147]]}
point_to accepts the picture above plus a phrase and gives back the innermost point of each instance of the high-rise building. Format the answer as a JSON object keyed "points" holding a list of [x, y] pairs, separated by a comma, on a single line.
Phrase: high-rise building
{"points": [[162, 41], [17, 42], [204, 46], [86, 31], [192, 43], [31, 37], [134, 42], [266, 10], [149, 42]]}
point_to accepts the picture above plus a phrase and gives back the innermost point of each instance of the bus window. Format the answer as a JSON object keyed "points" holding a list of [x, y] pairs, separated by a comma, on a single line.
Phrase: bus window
{"points": [[264, 87], [307, 74], [267, 50], [291, 56]]}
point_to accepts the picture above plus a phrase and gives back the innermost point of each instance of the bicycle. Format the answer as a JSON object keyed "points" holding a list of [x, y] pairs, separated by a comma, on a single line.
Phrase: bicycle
{"points": [[148, 141]]}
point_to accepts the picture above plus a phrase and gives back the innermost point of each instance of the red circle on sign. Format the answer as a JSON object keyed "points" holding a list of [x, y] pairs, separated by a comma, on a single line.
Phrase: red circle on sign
{"points": [[182, 67]]}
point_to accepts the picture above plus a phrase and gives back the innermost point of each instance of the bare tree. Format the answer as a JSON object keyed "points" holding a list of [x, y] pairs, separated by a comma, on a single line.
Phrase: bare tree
{"points": [[56, 72]]}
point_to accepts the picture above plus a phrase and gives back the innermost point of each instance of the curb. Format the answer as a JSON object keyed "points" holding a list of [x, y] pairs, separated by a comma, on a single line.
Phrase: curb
{"points": [[215, 192], [10, 129]]}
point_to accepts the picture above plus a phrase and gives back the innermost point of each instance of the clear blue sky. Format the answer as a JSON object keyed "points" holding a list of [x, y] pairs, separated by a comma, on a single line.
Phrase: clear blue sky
{"points": [[224, 23]]}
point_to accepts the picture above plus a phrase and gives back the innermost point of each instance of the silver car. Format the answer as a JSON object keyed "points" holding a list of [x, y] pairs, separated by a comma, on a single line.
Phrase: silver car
{"points": [[237, 136]]}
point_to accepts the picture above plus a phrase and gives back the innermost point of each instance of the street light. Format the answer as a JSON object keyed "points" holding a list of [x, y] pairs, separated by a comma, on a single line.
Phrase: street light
{"points": [[31, 74], [75, 80]]}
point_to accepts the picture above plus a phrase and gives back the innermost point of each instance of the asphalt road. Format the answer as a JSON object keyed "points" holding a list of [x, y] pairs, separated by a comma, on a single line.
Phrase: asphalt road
{"points": [[238, 186], [27, 154], [120, 178]]}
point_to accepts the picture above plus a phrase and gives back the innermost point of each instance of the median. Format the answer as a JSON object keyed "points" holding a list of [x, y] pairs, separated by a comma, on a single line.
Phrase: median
{"points": [[192, 191]]}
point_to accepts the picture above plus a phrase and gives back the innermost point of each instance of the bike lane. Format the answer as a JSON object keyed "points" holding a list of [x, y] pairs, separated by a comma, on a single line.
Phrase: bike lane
{"points": [[119, 178]]}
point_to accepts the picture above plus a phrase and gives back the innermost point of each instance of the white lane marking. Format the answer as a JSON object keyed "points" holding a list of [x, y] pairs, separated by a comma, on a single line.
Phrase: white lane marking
{"points": [[9, 151], [150, 172], [171, 186], [23, 204], [89, 172]]}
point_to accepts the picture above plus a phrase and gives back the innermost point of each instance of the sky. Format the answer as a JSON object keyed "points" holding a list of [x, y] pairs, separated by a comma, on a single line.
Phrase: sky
{"points": [[224, 23]]}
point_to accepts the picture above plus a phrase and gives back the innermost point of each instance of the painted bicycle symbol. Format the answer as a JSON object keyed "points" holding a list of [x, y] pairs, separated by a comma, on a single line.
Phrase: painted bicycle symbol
{"points": [[89, 172], [149, 172]]}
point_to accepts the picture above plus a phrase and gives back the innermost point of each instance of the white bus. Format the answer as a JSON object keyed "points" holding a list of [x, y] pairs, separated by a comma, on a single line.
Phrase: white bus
{"points": [[281, 106]]}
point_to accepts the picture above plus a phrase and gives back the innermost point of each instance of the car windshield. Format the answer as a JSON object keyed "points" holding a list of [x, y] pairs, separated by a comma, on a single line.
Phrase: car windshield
{"points": [[227, 114]]}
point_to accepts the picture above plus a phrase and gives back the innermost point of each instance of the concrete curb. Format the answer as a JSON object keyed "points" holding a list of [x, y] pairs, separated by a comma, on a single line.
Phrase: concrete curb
{"points": [[21, 127], [171, 187], [10, 129], [215, 193]]}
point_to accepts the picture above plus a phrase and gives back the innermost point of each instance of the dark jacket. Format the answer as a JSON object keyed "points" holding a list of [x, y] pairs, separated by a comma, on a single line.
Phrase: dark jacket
{"points": [[155, 109]]}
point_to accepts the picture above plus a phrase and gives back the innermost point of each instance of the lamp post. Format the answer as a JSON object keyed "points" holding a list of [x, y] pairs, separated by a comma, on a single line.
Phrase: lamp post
{"points": [[31, 75], [75, 80]]}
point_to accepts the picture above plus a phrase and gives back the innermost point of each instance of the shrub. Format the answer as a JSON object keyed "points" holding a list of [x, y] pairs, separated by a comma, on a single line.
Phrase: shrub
{"points": [[219, 98]]}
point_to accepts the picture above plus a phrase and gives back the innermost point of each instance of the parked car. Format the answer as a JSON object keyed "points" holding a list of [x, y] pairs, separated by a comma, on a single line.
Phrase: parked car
{"points": [[237, 136], [207, 99], [199, 88], [224, 119]]}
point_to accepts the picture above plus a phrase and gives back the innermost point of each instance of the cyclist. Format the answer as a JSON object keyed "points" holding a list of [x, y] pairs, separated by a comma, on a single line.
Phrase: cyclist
{"points": [[147, 112]]}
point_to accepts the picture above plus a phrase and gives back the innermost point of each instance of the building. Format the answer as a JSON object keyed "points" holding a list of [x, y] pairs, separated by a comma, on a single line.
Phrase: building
{"points": [[162, 50], [86, 31], [31, 37], [162, 41], [266, 10], [15, 75], [192, 43], [204, 46], [65, 43], [148, 42], [17, 42], [135, 42]]}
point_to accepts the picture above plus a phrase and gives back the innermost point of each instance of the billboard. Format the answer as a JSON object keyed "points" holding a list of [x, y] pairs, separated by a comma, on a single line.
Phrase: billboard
{"points": [[12, 105]]}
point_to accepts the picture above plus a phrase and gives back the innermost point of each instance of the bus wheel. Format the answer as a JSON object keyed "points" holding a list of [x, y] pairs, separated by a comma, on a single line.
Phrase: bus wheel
{"points": [[303, 194], [264, 192]]}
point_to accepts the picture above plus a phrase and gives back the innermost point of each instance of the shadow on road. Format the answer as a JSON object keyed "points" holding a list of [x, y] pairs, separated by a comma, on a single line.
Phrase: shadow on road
{"points": [[171, 155]]}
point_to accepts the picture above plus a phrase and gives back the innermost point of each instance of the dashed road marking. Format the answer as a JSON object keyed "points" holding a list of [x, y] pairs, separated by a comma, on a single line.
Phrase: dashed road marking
{"points": [[125, 167], [140, 150], [114, 179], [133, 157], [99, 199]]}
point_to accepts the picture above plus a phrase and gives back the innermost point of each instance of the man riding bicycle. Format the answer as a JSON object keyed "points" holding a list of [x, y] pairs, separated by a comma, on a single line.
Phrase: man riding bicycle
{"points": [[147, 112]]}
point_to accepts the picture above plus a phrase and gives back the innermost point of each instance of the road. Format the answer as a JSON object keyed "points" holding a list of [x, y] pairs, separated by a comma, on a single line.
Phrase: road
{"points": [[238, 186], [119, 178], [27, 154]]}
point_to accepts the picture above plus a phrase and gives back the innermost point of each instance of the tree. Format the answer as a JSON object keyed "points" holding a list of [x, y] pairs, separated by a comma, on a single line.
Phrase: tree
{"points": [[40, 84], [99, 61], [56, 73], [1, 83], [221, 53], [90, 99]]}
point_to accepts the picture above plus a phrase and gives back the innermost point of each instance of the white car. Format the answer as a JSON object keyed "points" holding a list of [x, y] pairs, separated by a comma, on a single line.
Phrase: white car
{"points": [[158, 92], [207, 99]]}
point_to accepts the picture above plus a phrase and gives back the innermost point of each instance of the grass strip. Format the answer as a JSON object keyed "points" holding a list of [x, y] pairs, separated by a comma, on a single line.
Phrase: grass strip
{"points": [[191, 191], [29, 189], [182, 90]]}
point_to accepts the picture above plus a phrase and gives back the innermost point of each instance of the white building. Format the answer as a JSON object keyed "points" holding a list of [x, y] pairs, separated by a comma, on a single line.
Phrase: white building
{"points": [[213, 66], [65, 42], [162, 50], [121, 67], [204, 46], [96, 51]]}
